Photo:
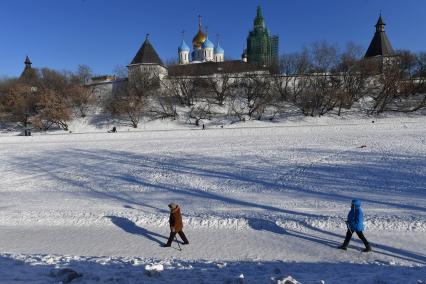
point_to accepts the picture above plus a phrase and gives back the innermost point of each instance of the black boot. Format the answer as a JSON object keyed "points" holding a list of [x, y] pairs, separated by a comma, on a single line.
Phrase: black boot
{"points": [[364, 240], [367, 249], [342, 247], [170, 240]]}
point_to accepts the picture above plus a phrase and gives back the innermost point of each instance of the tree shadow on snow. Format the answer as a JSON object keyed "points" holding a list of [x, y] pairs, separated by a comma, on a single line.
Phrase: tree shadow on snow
{"points": [[368, 176], [131, 228]]}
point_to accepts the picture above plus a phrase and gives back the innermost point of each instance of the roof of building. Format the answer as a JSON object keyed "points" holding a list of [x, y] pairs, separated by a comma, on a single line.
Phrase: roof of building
{"points": [[147, 54], [259, 21], [219, 49], [380, 44], [380, 22], [29, 73], [210, 68], [207, 43], [27, 61], [199, 39], [183, 47]]}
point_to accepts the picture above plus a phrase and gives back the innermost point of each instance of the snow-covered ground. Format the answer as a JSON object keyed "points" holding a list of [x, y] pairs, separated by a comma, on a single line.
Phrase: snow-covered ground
{"points": [[261, 201]]}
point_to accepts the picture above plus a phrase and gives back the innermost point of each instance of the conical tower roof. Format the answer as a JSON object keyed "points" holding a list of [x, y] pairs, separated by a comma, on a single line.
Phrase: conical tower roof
{"points": [[147, 54], [259, 21], [29, 73], [27, 61], [380, 44]]}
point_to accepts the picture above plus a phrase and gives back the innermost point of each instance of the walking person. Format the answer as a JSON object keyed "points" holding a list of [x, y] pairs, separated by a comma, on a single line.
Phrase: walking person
{"points": [[176, 225], [355, 223]]}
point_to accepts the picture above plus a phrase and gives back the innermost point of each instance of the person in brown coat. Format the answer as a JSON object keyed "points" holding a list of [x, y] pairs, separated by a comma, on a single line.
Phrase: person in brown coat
{"points": [[176, 225]]}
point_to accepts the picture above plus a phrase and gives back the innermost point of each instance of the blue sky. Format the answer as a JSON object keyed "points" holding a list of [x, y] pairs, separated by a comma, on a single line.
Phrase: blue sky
{"points": [[62, 34]]}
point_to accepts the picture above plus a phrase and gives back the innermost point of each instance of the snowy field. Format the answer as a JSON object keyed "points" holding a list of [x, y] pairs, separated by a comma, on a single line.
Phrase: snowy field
{"points": [[261, 202]]}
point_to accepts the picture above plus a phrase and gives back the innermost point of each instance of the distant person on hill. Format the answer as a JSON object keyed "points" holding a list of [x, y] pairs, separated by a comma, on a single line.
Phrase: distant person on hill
{"points": [[355, 223], [176, 225], [114, 130]]}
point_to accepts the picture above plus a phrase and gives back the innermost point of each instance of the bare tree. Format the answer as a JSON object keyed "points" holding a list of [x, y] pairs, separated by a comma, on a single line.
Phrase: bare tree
{"points": [[120, 71], [220, 86], [19, 102], [131, 102], [321, 94], [164, 106], [199, 112], [51, 111], [402, 84], [54, 103], [320, 89], [42, 100], [81, 97], [353, 74], [185, 89], [292, 68], [324, 56], [84, 73], [386, 88], [251, 97]]}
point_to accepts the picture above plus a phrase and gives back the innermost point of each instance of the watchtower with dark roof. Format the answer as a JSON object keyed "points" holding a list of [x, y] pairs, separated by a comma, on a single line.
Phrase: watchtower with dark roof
{"points": [[29, 73], [380, 44], [146, 61]]}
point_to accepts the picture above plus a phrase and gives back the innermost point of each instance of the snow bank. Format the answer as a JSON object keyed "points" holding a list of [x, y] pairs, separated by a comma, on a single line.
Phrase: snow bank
{"points": [[48, 268]]}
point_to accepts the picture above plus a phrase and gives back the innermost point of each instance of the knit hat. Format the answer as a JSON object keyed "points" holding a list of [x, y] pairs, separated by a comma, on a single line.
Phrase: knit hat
{"points": [[173, 205]]}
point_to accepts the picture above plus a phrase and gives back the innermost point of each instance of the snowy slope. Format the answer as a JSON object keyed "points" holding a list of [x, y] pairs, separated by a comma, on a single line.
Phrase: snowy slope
{"points": [[259, 199]]}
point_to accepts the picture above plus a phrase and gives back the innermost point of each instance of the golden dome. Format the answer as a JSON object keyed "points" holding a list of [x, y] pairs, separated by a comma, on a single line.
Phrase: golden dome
{"points": [[199, 39]]}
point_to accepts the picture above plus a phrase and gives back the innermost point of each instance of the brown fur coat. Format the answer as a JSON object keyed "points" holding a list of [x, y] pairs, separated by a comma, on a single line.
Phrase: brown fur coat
{"points": [[175, 220]]}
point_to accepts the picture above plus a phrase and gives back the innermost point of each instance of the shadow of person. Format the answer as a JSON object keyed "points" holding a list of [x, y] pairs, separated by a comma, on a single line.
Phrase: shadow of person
{"points": [[131, 228], [265, 225], [270, 226]]}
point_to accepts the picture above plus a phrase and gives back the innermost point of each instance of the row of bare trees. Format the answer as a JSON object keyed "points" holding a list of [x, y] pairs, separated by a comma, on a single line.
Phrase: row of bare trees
{"points": [[317, 80], [321, 79], [45, 98]]}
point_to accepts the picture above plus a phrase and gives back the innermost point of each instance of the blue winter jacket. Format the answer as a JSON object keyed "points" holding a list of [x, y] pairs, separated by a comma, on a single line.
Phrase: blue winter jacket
{"points": [[356, 217]]}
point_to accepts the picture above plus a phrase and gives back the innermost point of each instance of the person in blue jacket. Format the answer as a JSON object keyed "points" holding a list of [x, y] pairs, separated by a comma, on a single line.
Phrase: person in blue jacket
{"points": [[355, 224]]}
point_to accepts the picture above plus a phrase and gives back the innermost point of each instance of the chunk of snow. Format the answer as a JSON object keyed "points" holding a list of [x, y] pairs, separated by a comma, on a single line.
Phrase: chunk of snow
{"points": [[288, 280], [153, 269]]}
